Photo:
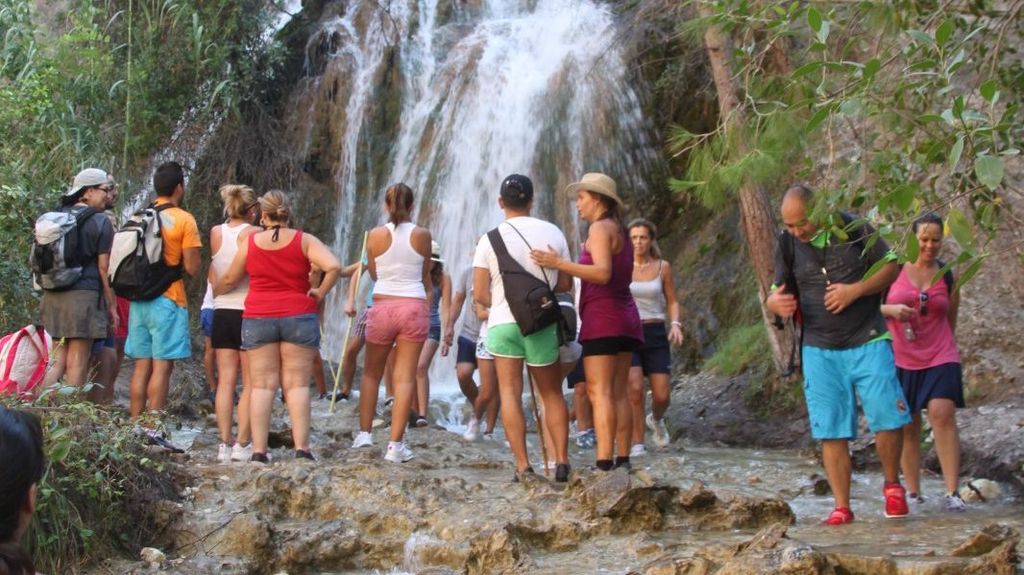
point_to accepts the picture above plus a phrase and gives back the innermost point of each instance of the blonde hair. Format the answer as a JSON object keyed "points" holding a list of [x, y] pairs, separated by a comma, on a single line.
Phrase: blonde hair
{"points": [[274, 206], [398, 199], [237, 200], [651, 229]]}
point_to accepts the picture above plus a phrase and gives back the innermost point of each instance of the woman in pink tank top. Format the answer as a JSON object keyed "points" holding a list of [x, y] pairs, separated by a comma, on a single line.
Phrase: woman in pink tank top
{"points": [[921, 315], [610, 327], [398, 257], [280, 328]]}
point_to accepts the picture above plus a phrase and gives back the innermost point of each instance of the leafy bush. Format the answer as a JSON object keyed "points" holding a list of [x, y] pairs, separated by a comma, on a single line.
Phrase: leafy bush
{"points": [[741, 348], [100, 480]]}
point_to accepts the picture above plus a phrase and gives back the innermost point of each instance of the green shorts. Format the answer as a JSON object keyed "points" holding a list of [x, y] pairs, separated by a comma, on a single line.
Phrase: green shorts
{"points": [[538, 349]]}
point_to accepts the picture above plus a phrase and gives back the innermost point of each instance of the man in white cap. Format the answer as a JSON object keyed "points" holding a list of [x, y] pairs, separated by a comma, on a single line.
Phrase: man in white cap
{"points": [[84, 311], [510, 348]]}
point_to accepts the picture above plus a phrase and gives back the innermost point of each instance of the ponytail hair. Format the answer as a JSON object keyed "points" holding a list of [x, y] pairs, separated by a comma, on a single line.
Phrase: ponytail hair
{"points": [[274, 206], [21, 451], [398, 200], [238, 199]]}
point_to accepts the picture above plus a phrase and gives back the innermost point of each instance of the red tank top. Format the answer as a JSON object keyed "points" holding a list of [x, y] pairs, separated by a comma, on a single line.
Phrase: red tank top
{"points": [[278, 281], [933, 342]]}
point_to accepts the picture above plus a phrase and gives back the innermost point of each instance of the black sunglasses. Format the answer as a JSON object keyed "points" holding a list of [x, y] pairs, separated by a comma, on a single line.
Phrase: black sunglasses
{"points": [[924, 304]]}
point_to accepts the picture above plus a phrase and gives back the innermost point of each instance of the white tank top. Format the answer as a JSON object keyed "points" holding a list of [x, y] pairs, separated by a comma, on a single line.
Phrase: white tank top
{"points": [[400, 268], [234, 299], [649, 297]]}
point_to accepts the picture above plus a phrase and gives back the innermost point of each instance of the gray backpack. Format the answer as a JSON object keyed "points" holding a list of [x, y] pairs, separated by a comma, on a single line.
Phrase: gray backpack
{"points": [[55, 258]]}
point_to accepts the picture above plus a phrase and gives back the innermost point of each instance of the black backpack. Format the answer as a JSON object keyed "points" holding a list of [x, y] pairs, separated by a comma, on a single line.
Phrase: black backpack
{"points": [[56, 255], [137, 269], [531, 300]]}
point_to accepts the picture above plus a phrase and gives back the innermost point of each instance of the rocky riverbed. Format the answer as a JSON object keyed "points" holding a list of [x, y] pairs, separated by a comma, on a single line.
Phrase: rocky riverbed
{"points": [[455, 509]]}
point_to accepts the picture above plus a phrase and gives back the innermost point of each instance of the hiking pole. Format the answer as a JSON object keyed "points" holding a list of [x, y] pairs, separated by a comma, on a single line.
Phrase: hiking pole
{"points": [[348, 329], [540, 423]]}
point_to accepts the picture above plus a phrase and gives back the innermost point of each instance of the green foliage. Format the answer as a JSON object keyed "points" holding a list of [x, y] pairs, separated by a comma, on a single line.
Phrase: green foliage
{"points": [[105, 84], [741, 348], [890, 109], [100, 479]]}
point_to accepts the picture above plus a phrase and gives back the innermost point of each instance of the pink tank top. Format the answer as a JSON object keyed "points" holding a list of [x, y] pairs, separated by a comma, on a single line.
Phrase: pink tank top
{"points": [[609, 310], [278, 281], [933, 342]]}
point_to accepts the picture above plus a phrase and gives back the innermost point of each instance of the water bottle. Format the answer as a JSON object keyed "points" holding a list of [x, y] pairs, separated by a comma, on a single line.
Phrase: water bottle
{"points": [[908, 332]]}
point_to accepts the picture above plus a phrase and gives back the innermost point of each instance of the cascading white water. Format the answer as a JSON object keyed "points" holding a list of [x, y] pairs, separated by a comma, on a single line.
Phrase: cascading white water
{"points": [[538, 88]]}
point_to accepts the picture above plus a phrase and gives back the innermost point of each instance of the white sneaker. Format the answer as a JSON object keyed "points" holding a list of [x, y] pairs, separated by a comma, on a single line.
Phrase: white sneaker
{"points": [[487, 437], [472, 429], [661, 436], [240, 452], [397, 452], [363, 439], [637, 450], [223, 453]]}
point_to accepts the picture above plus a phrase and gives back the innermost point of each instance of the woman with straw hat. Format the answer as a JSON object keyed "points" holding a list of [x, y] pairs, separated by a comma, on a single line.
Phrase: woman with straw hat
{"points": [[610, 324]]}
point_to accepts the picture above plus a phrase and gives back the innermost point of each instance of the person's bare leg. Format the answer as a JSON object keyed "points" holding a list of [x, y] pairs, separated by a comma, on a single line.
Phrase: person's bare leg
{"points": [[942, 416], [488, 402], [636, 403], [406, 356], [389, 368], [77, 361], [373, 369], [581, 405], [159, 384], [296, 364], [209, 361], [105, 365], [244, 434], [889, 446], [661, 395], [224, 402], [556, 415], [510, 388], [623, 411], [348, 371], [600, 370], [423, 377], [910, 459], [464, 375], [265, 370], [318, 374], [835, 454], [138, 384], [58, 363]]}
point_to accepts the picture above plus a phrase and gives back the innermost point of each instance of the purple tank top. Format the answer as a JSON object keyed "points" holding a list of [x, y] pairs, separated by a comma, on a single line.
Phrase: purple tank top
{"points": [[609, 310]]}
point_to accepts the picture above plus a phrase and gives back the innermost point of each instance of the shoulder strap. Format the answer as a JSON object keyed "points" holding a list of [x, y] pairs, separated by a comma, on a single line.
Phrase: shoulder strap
{"points": [[947, 276], [527, 245], [786, 245]]}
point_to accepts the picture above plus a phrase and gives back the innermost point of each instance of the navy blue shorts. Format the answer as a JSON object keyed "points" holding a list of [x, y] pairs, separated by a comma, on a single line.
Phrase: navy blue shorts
{"points": [[576, 375], [434, 334], [301, 330], [466, 351], [206, 321], [943, 381], [654, 355]]}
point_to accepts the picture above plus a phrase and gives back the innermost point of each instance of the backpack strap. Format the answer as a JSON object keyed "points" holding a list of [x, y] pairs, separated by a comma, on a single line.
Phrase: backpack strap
{"points": [[543, 273]]}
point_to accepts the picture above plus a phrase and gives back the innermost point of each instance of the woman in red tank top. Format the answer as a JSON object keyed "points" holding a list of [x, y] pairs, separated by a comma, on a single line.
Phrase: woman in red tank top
{"points": [[280, 329]]}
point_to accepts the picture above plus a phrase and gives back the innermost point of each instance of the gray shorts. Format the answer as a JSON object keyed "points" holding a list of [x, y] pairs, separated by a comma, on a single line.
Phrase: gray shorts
{"points": [[301, 330], [75, 314]]}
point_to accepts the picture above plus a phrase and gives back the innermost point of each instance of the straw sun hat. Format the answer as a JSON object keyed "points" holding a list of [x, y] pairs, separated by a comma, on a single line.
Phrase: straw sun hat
{"points": [[596, 183]]}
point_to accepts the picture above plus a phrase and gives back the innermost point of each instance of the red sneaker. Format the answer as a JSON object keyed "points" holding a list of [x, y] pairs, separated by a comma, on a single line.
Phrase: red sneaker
{"points": [[895, 500], [839, 516]]}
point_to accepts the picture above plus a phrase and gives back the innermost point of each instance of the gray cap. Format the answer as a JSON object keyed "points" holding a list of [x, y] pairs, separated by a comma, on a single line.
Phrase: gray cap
{"points": [[87, 178]]}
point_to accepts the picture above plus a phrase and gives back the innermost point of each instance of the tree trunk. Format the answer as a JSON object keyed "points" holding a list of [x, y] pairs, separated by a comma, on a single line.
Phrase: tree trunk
{"points": [[755, 210]]}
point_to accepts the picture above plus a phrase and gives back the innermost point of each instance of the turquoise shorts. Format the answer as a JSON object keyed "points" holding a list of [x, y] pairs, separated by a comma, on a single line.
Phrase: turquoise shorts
{"points": [[158, 329], [834, 378], [538, 349]]}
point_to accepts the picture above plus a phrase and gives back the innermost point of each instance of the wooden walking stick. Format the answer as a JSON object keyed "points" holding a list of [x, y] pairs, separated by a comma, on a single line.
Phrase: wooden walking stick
{"points": [[540, 423], [348, 329]]}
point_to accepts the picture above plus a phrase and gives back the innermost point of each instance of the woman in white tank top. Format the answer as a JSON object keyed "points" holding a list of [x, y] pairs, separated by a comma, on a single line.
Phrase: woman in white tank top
{"points": [[654, 291], [398, 257], [226, 336]]}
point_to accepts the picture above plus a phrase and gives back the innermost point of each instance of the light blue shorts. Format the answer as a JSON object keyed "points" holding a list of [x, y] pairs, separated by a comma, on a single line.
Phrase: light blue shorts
{"points": [[158, 329], [834, 378]]}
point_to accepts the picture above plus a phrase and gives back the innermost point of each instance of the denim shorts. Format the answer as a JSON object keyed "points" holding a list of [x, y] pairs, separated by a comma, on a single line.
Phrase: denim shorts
{"points": [[833, 380], [206, 321], [301, 330]]}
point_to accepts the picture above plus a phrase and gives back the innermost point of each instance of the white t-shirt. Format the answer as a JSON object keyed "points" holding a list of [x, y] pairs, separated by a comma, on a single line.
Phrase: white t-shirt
{"points": [[540, 235]]}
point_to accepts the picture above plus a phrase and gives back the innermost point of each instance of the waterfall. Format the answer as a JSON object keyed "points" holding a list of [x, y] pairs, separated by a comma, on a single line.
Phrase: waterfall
{"points": [[450, 97]]}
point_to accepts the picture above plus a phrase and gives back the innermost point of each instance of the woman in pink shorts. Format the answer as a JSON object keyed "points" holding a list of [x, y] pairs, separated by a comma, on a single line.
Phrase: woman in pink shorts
{"points": [[398, 258]]}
